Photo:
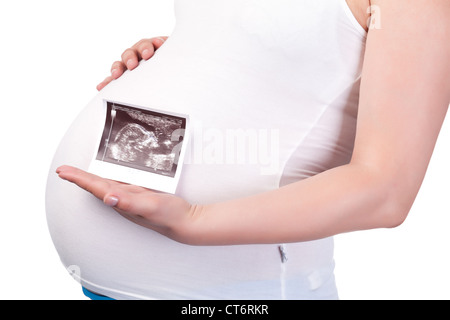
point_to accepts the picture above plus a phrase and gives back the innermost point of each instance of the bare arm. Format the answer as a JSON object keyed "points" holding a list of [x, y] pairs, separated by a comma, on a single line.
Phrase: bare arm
{"points": [[405, 93]]}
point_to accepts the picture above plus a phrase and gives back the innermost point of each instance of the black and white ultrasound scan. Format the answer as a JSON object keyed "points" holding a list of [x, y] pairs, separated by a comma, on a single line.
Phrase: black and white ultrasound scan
{"points": [[141, 146]]}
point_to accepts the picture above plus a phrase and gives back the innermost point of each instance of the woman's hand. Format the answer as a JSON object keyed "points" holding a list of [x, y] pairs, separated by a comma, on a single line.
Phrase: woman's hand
{"points": [[164, 213], [144, 49]]}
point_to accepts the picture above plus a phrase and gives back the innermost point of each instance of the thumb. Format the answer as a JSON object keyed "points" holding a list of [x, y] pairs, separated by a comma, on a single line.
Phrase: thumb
{"points": [[135, 204], [111, 200]]}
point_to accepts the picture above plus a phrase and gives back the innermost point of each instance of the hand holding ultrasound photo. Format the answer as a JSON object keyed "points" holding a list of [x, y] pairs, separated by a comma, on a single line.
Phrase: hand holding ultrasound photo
{"points": [[141, 146]]}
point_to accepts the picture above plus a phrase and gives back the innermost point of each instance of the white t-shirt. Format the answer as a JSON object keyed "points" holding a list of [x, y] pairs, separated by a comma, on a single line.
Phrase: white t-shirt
{"points": [[271, 88]]}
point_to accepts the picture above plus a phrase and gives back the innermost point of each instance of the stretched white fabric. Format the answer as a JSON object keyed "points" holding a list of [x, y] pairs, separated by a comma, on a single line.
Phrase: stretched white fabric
{"points": [[272, 89]]}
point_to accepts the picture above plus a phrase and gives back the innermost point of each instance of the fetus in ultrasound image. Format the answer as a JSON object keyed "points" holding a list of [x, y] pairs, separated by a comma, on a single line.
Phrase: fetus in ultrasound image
{"points": [[141, 139]]}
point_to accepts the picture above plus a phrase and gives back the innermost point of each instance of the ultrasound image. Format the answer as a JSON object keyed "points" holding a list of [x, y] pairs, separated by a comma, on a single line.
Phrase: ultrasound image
{"points": [[141, 139]]}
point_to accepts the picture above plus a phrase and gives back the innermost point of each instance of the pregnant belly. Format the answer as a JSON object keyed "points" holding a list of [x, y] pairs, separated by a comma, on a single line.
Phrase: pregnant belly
{"points": [[118, 258], [115, 257]]}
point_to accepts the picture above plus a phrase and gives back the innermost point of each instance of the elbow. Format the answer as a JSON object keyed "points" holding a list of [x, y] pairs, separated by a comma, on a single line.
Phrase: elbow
{"points": [[395, 217], [388, 197], [396, 208]]}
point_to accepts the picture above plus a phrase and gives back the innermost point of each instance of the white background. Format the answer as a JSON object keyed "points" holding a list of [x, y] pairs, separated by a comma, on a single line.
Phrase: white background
{"points": [[54, 53]]}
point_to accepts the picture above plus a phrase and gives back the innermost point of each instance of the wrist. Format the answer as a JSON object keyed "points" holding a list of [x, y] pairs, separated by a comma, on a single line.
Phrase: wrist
{"points": [[187, 229]]}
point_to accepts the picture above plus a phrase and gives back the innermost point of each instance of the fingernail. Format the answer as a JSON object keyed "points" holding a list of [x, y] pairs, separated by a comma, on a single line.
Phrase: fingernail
{"points": [[111, 201], [114, 73], [60, 169], [145, 54], [130, 64]]}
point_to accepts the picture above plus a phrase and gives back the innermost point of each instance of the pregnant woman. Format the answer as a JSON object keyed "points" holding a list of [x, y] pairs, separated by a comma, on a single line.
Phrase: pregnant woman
{"points": [[305, 122]]}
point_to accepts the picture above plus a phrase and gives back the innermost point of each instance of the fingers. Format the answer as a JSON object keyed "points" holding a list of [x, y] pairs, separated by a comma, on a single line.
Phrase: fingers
{"points": [[130, 58], [156, 211], [121, 196], [103, 84], [96, 185], [158, 42], [117, 69], [106, 190], [143, 50]]}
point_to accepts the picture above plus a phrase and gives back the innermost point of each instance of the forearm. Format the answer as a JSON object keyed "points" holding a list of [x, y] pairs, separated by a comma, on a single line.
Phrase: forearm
{"points": [[343, 199], [403, 100]]}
